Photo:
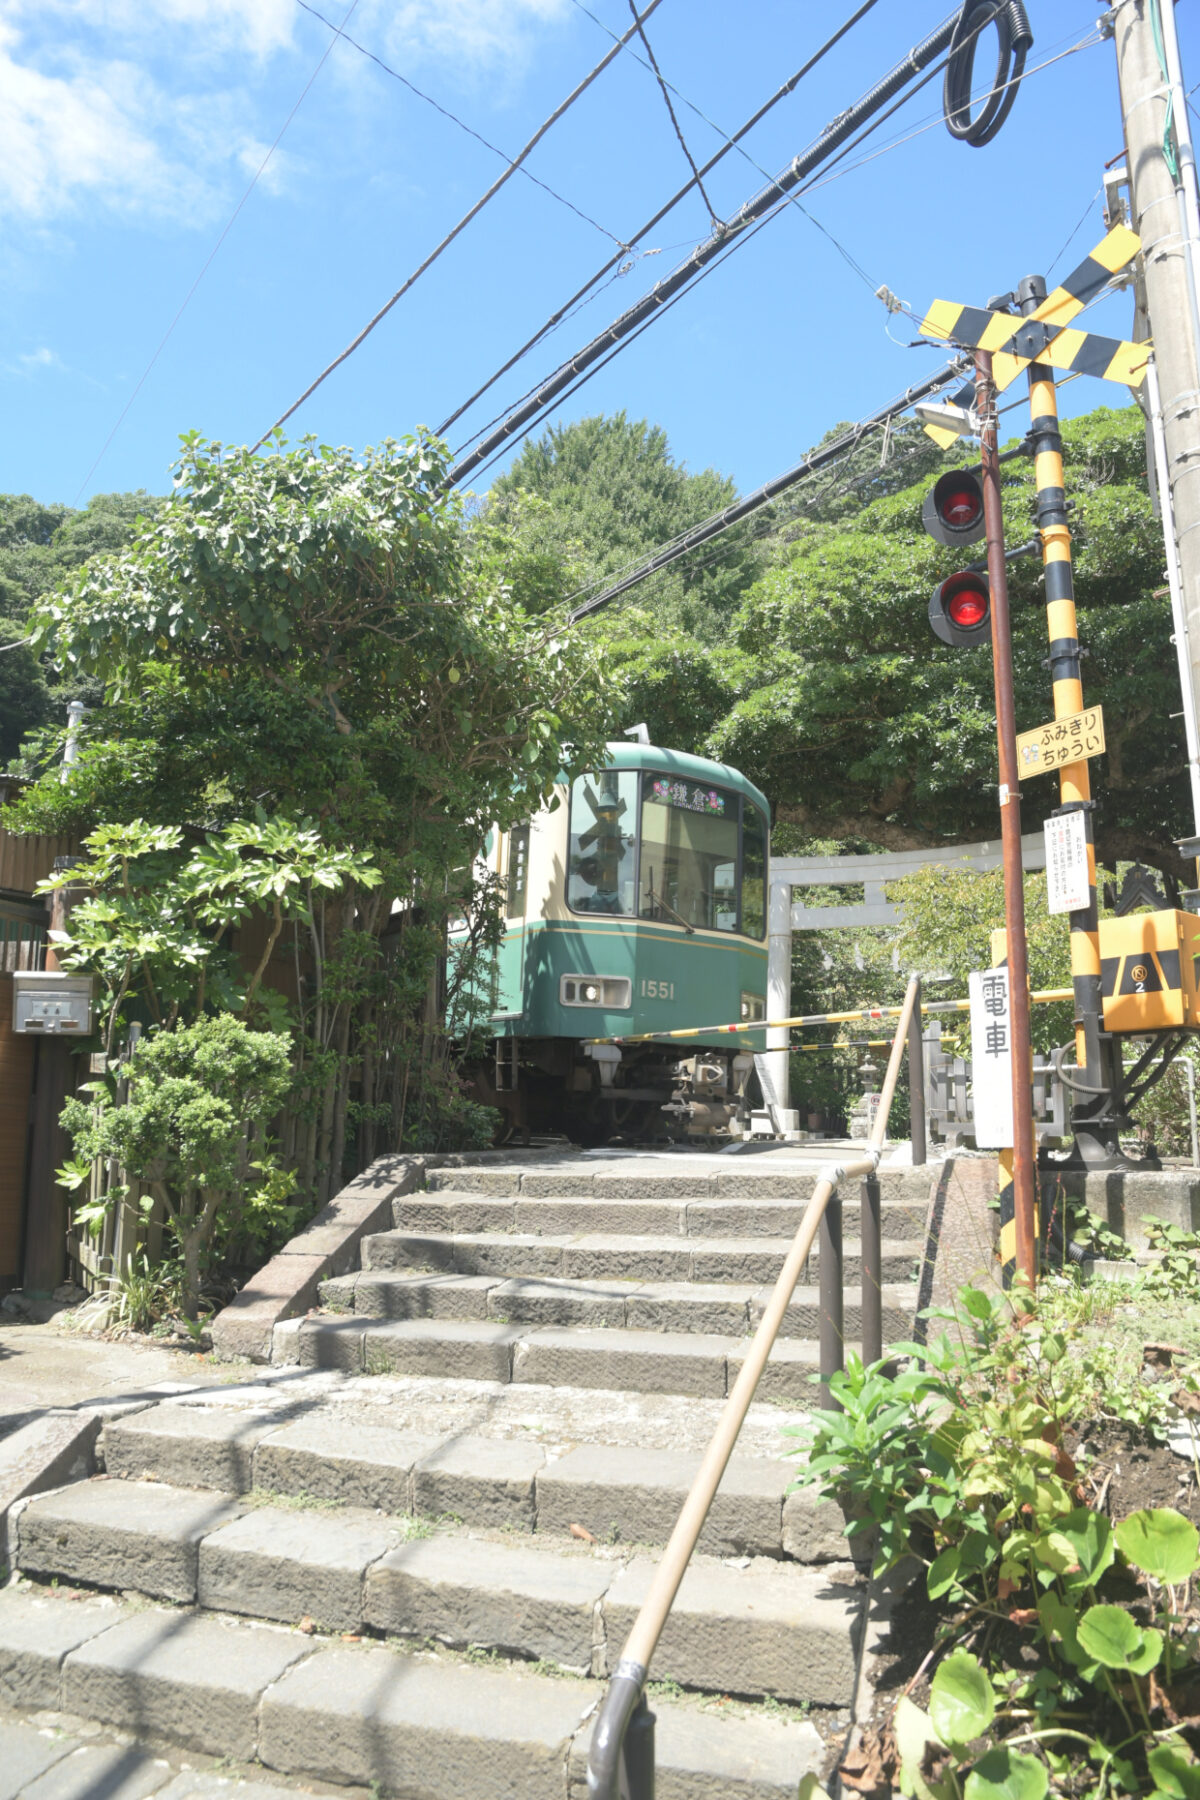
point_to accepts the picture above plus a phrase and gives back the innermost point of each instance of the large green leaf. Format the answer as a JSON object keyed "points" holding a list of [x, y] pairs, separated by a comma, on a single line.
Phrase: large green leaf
{"points": [[1175, 1770], [961, 1702], [1007, 1775], [1161, 1542], [1111, 1637]]}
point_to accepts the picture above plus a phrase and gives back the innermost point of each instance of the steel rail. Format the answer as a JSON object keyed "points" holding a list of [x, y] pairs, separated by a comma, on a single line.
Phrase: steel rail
{"points": [[625, 1696]]}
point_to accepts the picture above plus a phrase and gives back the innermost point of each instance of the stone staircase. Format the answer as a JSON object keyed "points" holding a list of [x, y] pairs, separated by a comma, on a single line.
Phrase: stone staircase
{"points": [[408, 1553]]}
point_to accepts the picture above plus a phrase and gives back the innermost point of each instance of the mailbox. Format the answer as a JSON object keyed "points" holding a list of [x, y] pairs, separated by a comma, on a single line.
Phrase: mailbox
{"points": [[52, 1002]]}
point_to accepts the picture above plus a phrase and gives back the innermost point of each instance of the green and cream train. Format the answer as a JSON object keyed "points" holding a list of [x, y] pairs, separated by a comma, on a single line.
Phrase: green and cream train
{"points": [[638, 904]]}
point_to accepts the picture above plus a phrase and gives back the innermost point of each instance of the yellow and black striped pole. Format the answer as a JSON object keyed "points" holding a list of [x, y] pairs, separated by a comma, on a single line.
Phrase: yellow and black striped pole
{"points": [[1094, 1143]]}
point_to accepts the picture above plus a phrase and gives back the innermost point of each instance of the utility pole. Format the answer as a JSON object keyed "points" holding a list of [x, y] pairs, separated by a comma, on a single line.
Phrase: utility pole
{"points": [[1162, 185], [1017, 1165], [1096, 1127]]}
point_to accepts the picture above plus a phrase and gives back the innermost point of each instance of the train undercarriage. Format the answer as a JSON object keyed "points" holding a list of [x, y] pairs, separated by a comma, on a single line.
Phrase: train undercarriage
{"points": [[598, 1093]]}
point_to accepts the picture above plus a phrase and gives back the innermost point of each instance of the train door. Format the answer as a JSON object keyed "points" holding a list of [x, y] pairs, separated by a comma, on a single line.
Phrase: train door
{"points": [[510, 964]]}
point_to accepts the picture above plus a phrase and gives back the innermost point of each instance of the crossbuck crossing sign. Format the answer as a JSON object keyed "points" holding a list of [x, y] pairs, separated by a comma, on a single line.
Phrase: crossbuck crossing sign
{"points": [[991, 1058]]}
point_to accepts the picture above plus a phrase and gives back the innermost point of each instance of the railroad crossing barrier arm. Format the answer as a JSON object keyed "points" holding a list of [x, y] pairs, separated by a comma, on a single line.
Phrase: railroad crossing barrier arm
{"points": [[621, 1755]]}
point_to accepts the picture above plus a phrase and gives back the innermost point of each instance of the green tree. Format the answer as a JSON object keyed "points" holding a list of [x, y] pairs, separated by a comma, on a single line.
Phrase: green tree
{"points": [[41, 549], [861, 724], [25, 699], [309, 635], [613, 492]]}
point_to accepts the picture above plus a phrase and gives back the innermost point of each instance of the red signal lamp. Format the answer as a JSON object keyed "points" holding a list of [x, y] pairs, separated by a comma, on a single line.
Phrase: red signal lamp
{"points": [[960, 609], [953, 509]]}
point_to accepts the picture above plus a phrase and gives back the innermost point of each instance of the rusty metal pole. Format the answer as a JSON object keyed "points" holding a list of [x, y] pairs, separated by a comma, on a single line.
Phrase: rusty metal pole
{"points": [[1024, 1169]]}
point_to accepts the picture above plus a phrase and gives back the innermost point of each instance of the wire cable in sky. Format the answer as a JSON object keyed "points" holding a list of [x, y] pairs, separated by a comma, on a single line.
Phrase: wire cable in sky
{"points": [[455, 120], [731, 143], [556, 318], [762, 496], [208, 261], [794, 178], [665, 91], [470, 214]]}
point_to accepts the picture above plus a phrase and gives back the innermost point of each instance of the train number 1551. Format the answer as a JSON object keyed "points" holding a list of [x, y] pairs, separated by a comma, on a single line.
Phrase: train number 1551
{"points": [[658, 990]]}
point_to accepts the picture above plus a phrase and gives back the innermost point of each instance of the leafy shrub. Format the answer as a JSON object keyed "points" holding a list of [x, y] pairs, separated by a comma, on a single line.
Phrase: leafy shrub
{"points": [[199, 1099]]}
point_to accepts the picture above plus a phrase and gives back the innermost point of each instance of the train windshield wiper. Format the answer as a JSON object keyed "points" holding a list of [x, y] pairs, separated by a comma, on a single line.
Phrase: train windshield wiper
{"points": [[657, 900]]}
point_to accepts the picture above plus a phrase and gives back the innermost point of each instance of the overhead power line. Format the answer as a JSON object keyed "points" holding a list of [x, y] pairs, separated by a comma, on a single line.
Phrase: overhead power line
{"points": [[455, 120], [755, 210], [762, 496], [665, 91], [462, 224], [556, 317]]}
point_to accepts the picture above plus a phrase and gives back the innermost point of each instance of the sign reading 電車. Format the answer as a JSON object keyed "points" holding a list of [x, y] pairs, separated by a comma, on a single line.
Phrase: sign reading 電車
{"points": [[1062, 741], [991, 1059], [1068, 878]]}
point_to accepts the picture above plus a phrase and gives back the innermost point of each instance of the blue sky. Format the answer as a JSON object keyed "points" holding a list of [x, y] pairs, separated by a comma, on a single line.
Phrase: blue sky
{"points": [[129, 130]]}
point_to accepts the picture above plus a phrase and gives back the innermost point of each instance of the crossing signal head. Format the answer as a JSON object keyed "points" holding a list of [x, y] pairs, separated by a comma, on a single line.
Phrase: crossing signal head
{"points": [[960, 610], [953, 509]]}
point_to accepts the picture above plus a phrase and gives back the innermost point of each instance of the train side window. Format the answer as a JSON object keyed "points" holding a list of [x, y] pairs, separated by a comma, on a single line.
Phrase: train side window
{"points": [[518, 871], [754, 871], [602, 856], [689, 853]]}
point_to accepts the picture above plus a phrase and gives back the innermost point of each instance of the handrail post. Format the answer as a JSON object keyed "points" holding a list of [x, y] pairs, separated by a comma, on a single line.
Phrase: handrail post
{"points": [[871, 1236], [638, 1753], [831, 1278], [916, 1081], [623, 1704]]}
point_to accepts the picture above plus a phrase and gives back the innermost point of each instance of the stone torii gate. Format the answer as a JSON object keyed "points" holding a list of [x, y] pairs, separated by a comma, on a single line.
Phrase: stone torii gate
{"points": [[874, 872]]}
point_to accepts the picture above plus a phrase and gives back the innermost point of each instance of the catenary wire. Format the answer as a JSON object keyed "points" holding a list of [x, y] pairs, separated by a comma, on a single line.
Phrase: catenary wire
{"points": [[471, 213], [935, 119], [764, 495], [532, 409], [665, 91], [455, 120], [208, 261], [557, 317], [732, 144], [770, 525]]}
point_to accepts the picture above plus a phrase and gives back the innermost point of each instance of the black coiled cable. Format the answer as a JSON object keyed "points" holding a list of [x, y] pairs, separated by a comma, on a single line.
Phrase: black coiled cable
{"points": [[1014, 39]]}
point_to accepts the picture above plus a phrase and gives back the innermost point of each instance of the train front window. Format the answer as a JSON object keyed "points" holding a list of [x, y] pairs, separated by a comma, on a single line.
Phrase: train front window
{"points": [[602, 858], [689, 853], [754, 871]]}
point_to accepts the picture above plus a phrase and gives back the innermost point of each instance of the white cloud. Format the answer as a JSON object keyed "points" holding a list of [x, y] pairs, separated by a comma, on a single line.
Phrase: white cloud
{"points": [[156, 107], [43, 358], [215, 27], [63, 139], [479, 31]]}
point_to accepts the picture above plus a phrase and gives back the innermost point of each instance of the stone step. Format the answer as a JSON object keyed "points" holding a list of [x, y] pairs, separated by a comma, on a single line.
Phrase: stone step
{"points": [[696, 1177], [454, 1210], [758, 1629], [394, 1720], [603, 1256], [621, 1493], [674, 1306], [629, 1361]]}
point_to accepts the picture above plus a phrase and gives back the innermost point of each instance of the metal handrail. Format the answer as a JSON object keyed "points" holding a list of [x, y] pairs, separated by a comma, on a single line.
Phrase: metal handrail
{"points": [[622, 1737]]}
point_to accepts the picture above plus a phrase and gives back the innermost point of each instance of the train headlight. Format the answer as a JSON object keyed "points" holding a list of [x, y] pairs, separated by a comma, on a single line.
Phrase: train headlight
{"points": [[754, 1007], [613, 992]]}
